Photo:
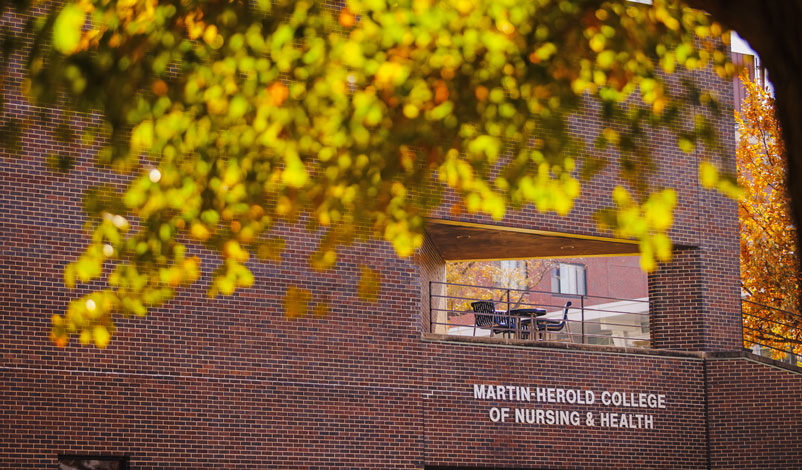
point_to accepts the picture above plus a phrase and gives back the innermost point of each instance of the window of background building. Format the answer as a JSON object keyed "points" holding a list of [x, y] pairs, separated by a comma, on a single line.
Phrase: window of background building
{"points": [[511, 274], [92, 462], [569, 279]]}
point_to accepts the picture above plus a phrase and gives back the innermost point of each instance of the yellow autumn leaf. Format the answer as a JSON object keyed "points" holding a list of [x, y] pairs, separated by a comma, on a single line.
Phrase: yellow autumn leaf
{"points": [[369, 284], [708, 174], [296, 301], [295, 174], [67, 28], [101, 336]]}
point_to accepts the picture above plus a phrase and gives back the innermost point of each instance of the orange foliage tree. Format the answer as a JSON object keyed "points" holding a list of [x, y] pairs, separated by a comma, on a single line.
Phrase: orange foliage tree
{"points": [[769, 261], [494, 280]]}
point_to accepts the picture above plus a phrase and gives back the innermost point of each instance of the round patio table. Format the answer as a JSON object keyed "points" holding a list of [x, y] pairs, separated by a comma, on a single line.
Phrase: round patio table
{"points": [[525, 315]]}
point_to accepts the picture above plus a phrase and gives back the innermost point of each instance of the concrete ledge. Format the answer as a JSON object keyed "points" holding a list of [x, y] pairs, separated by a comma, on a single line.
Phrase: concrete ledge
{"points": [[594, 348], [750, 356], [588, 348]]}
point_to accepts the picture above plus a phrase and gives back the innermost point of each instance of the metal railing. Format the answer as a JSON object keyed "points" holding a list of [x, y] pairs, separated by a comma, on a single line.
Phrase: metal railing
{"points": [[773, 331], [589, 320]]}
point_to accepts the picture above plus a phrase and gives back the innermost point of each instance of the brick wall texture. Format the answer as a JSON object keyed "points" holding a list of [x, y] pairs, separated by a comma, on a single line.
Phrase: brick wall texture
{"points": [[755, 416], [230, 383]]}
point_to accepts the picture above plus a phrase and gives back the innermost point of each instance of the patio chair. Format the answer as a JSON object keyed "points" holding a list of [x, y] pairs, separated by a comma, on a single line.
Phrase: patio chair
{"points": [[504, 324], [483, 321], [551, 326]]}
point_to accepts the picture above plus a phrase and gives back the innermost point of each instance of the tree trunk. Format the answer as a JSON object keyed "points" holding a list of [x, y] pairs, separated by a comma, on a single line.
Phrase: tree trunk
{"points": [[772, 29]]}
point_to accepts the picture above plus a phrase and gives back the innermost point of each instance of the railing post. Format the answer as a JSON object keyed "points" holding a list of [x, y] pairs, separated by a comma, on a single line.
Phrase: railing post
{"points": [[743, 337], [582, 307], [509, 314], [431, 318]]}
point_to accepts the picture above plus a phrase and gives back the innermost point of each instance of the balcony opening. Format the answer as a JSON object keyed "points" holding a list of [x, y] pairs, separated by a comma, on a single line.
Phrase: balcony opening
{"points": [[537, 286]]}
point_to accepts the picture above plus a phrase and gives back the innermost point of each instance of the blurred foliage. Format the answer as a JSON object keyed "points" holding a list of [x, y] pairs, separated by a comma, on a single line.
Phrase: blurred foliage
{"points": [[769, 260], [469, 281], [236, 116]]}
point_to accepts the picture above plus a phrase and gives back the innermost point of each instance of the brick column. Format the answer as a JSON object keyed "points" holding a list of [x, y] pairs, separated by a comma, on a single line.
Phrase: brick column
{"points": [[432, 268], [675, 303], [695, 299]]}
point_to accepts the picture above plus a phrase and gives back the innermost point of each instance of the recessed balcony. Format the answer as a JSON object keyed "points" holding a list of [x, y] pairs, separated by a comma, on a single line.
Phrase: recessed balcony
{"points": [[531, 315], [487, 281]]}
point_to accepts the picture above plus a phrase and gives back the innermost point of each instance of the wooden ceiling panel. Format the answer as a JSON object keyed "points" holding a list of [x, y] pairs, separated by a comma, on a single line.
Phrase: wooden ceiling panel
{"points": [[461, 241]]}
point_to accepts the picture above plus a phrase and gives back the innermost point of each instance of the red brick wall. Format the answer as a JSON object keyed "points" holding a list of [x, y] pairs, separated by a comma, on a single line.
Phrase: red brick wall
{"points": [[619, 277], [224, 383], [232, 383], [676, 303], [755, 415], [718, 234], [704, 221], [460, 433], [164, 421], [432, 268], [202, 383], [608, 278]]}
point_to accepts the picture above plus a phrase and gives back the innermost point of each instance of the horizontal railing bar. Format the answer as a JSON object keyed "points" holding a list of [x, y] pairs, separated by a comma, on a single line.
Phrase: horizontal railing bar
{"points": [[763, 306], [789, 350], [770, 307], [456, 284], [563, 333], [554, 294], [454, 297], [750, 312], [790, 353], [793, 333], [790, 323], [503, 321], [506, 329], [774, 337], [784, 313], [611, 324], [750, 327], [500, 301], [557, 307], [768, 320], [761, 339], [503, 314], [796, 336], [590, 309], [573, 322]]}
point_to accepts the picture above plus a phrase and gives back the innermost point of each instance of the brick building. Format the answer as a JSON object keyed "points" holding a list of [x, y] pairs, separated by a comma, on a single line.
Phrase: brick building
{"points": [[232, 383]]}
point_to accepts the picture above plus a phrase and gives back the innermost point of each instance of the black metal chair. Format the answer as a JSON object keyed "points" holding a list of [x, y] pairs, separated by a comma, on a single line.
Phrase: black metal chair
{"points": [[504, 324], [550, 326], [483, 321], [497, 323]]}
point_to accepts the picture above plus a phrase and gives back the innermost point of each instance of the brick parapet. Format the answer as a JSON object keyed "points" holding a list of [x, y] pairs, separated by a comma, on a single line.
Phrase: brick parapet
{"points": [[754, 413], [460, 433]]}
